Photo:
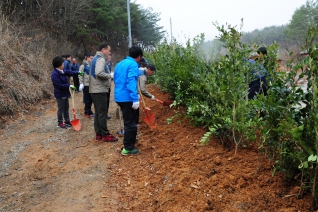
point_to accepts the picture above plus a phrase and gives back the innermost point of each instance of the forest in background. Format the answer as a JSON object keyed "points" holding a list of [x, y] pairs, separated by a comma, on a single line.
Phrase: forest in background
{"points": [[290, 37]]}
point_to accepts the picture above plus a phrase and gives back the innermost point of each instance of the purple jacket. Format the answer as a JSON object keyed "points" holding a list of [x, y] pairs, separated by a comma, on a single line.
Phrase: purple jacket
{"points": [[60, 83]]}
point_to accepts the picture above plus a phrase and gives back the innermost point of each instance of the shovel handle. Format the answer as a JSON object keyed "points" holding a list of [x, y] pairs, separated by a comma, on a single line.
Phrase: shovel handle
{"points": [[157, 100]]}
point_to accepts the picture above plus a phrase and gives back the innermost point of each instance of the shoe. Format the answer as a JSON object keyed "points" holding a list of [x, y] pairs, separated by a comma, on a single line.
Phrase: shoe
{"points": [[98, 137], [68, 124], [109, 138], [130, 152], [136, 140], [87, 115], [108, 117], [61, 125], [92, 115]]}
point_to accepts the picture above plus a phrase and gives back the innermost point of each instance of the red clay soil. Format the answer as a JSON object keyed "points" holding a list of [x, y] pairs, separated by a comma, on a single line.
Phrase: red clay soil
{"points": [[44, 168]]}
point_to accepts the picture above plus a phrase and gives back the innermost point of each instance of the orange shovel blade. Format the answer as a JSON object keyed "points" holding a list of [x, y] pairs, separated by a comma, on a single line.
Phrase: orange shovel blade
{"points": [[150, 120], [76, 124]]}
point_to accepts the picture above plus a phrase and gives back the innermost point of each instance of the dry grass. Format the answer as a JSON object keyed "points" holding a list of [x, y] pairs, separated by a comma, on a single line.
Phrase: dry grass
{"points": [[25, 67]]}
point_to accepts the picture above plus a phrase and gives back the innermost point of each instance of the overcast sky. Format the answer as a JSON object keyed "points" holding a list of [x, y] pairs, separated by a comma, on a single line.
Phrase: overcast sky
{"points": [[192, 17]]}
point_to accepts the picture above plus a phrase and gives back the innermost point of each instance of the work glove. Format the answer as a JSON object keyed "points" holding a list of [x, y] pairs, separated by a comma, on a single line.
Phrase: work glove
{"points": [[72, 87], [135, 105], [81, 73], [112, 75], [81, 87], [153, 97]]}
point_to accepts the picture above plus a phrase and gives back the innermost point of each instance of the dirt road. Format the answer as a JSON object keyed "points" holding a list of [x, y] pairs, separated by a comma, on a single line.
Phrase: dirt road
{"points": [[46, 168]]}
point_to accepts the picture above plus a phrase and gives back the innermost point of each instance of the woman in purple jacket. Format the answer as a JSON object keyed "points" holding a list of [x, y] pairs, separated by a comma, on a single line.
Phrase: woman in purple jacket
{"points": [[61, 91]]}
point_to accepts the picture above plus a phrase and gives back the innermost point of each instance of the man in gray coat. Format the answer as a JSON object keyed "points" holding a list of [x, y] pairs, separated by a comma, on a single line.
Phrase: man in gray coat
{"points": [[99, 86]]}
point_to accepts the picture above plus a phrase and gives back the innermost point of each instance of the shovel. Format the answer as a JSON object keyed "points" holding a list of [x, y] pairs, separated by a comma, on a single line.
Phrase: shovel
{"points": [[149, 119], [119, 116], [164, 103], [76, 123]]}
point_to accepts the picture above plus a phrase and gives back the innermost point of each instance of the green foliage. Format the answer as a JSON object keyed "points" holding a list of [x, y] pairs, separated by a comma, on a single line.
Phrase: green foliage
{"points": [[215, 94]]}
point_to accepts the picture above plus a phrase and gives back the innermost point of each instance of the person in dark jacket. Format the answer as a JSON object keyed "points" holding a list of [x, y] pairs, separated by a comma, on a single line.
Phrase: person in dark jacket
{"points": [[61, 91], [259, 74], [75, 67]]}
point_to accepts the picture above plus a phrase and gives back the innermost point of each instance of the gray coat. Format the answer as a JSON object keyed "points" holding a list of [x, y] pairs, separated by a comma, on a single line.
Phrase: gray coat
{"points": [[101, 83], [142, 79], [85, 78]]}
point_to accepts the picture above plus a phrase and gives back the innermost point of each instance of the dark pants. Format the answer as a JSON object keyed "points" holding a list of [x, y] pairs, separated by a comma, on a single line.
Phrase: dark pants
{"points": [[100, 119], [137, 116], [87, 101], [130, 127], [63, 107], [108, 97], [257, 87], [76, 81]]}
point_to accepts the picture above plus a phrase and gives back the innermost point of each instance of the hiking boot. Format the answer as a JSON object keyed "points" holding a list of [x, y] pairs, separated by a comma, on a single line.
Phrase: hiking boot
{"points": [[98, 137], [68, 124], [130, 152], [61, 125], [109, 138]]}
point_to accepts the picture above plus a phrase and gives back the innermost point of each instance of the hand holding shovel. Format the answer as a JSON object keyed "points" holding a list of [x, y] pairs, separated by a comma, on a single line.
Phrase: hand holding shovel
{"points": [[164, 103]]}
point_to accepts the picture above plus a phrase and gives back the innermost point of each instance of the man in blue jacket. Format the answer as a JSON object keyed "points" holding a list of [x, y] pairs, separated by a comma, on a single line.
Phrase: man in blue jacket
{"points": [[126, 96], [75, 67]]}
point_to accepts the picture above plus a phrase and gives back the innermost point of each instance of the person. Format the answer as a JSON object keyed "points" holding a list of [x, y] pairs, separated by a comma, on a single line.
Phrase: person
{"points": [[61, 91], [84, 85], [258, 84], [126, 96], [110, 62], [99, 84], [109, 67], [75, 67], [67, 64], [145, 71], [63, 57]]}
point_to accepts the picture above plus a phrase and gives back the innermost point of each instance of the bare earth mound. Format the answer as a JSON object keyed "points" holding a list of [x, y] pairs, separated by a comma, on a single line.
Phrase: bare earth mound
{"points": [[44, 168]]}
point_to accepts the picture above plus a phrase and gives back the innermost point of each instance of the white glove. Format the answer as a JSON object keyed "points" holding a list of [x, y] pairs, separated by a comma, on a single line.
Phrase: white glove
{"points": [[152, 97], [81, 87], [112, 75], [135, 105]]}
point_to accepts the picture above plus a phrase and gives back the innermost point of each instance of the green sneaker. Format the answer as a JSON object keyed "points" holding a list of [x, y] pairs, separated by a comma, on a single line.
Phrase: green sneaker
{"points": [[131, 152]]}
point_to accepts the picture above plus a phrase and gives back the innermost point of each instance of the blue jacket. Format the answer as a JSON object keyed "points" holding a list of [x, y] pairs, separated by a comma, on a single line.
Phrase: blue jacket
{"points": [[258, 70], [67, 66], [60, 83], [126, 81], [74, 67]]}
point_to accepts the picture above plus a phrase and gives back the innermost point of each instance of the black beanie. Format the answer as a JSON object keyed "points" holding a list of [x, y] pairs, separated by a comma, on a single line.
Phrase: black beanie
{"points": [[262, 49]]}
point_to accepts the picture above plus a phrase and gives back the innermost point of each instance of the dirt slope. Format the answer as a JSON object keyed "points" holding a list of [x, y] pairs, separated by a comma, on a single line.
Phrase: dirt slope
{"points": [[44, 168]]}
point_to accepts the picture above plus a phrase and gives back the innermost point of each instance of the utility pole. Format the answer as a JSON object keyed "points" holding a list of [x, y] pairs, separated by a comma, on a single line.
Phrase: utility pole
{"points": [[129, 26], [171, 29]]}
